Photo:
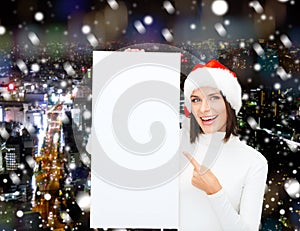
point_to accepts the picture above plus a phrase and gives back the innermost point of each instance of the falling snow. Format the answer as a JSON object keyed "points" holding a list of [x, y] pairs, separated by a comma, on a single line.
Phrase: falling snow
{"points": [[219, 7], [50, 48]]}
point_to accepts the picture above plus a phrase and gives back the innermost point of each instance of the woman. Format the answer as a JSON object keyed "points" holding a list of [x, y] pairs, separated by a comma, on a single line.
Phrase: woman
{"points": [[223, 186]]}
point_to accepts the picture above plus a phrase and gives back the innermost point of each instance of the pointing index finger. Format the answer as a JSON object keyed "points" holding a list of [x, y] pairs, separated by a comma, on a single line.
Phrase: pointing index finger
{"points": [[192, 160]]}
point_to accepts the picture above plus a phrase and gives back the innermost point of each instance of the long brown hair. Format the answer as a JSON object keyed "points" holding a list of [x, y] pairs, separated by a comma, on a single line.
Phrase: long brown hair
{"points": [[231, 124]]}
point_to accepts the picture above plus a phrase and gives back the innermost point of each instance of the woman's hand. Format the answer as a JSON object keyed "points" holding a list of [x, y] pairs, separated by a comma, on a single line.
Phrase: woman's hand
{"points": [[134, 50], [203, 178]]}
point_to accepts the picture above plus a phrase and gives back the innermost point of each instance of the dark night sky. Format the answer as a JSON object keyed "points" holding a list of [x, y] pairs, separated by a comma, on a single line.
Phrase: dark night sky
{"points": [[18, 15], [14, 12]]}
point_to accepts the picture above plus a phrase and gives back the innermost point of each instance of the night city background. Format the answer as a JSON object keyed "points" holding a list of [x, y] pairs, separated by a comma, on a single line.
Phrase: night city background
{"points": [[45, 93]]}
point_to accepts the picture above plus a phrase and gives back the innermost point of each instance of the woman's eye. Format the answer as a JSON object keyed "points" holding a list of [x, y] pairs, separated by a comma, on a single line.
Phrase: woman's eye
{"points": [[195, 100], [215, 97]]}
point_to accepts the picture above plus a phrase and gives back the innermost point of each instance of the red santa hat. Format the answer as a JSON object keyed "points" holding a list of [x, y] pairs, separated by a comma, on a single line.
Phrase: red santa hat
{"points": [[213, 74]]}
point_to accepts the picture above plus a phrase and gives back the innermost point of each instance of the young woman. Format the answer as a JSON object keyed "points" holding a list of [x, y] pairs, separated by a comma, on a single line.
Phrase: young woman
{"points": [[222, 187]]}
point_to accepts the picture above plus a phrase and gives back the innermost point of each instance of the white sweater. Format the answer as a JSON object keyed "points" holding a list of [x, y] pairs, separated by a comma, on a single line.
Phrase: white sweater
{"points": [[242, 172]]}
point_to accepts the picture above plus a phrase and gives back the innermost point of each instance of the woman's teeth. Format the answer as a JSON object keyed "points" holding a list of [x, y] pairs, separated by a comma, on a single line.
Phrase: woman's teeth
{"points": [[208, 118]]}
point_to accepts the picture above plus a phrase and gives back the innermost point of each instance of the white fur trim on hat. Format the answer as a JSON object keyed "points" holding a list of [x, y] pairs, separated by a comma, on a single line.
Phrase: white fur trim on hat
{"points": [[219, 78]]}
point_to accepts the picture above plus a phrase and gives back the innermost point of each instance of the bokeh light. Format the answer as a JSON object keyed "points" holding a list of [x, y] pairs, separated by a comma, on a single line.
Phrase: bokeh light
{"points": [[219, 7]]}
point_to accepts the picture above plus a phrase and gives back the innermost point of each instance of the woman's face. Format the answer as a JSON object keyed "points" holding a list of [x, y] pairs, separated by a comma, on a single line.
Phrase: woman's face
{"points": [[208, 107]]}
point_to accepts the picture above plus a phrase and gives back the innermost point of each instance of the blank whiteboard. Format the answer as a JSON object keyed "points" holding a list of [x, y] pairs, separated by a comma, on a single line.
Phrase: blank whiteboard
{"points": [[134, 140]]}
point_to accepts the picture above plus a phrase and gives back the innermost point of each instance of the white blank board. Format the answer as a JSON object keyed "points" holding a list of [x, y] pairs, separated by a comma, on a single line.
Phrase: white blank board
{"points": [[134, 140]]}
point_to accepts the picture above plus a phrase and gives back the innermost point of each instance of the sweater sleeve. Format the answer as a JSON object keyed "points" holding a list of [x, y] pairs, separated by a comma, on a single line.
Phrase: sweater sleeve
{"points": [[249, 215]]}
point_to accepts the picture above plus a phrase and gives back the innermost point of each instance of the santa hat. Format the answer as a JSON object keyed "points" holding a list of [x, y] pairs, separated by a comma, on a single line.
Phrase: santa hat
{"points": [[213, 74]]}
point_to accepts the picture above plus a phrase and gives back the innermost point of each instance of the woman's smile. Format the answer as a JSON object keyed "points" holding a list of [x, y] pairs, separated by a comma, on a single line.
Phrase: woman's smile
{"points": [[208, 120], [208, 107]]}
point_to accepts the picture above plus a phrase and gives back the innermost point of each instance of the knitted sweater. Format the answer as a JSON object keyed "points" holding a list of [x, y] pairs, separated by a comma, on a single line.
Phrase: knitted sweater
{"points": [[242, 172]]}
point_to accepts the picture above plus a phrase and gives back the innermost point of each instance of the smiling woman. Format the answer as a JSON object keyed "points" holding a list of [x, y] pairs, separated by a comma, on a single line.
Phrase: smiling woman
{"points": [[223, 186], [209, 110]]}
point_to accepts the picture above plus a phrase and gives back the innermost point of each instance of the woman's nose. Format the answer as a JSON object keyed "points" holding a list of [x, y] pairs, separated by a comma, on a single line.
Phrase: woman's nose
{"points": [[204, 106]]}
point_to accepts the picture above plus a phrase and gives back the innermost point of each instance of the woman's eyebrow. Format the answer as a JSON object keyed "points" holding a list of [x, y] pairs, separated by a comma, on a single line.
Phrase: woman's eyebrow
{"points": [[210, 94], [214, 93]]}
